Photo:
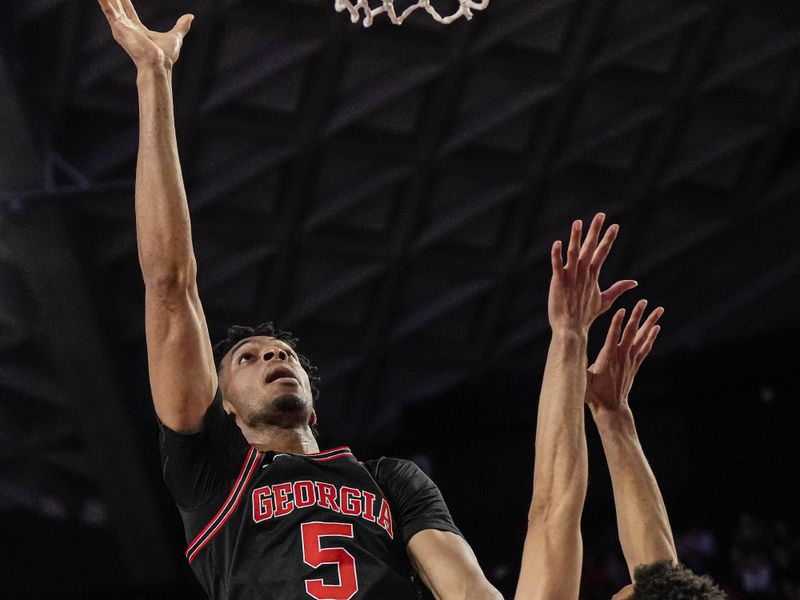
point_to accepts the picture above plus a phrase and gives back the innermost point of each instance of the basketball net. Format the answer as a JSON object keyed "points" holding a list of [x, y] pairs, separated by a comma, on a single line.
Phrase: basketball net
{"points": [[355, 7]]}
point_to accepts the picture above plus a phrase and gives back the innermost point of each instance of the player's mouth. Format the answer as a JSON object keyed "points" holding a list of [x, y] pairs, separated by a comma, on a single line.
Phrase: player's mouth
{"points": [[281, 372]]}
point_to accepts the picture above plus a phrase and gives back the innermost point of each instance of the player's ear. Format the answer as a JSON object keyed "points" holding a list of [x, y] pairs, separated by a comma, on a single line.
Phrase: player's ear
{"points": [[228, 408], [226, 405], [312, 420]]}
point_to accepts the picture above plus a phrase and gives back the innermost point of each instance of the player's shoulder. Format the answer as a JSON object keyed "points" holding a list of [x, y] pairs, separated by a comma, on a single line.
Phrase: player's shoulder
{"points": [[389, 463], [386, 467]]}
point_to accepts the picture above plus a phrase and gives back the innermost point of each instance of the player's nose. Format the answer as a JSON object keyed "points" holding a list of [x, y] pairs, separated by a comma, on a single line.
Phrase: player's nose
{"points": [[276, 353]]}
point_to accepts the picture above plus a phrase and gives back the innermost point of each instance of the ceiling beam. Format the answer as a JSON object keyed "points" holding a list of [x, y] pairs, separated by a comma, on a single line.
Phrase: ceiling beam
{"points": [[37, 242]]}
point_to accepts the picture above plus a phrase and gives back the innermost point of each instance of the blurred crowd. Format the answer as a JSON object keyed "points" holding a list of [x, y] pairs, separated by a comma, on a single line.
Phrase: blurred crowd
{"points": [[759, 559]]}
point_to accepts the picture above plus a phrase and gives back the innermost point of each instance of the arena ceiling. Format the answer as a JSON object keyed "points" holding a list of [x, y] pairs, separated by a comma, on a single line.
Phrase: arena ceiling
{"points": [[389, 194]]}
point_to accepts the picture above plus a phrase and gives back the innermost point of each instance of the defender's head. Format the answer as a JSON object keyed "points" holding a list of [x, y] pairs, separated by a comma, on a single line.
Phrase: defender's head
{"points": [[264, 380], [667, 581]]}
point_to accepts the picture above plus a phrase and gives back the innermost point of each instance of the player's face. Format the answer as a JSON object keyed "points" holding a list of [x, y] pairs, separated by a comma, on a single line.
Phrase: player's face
{"points": [[263, 383]]}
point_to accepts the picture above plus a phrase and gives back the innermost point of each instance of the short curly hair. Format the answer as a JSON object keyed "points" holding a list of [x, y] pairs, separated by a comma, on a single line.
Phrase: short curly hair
{"points": [[665, 580], [237, 333]]}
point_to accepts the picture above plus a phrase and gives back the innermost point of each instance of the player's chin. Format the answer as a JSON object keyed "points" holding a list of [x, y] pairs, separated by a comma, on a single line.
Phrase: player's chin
{"points": [[290, 402], [286, 410]]}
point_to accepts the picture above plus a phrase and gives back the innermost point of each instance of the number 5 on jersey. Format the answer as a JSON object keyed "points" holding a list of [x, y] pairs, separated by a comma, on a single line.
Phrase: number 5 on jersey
{"points": [[315, 556]]}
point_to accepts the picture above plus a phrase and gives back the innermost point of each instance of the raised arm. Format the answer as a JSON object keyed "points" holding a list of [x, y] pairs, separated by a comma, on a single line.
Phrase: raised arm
{"points": [[552, 555], [183, 377], [644, 529]]}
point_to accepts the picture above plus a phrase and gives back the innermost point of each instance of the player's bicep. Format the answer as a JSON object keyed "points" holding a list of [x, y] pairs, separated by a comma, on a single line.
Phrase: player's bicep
{"points": [[551, 562], [448, 567], [183, 376]]}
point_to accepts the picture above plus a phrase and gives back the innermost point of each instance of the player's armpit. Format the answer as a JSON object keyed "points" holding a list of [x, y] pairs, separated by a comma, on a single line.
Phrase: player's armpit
{"points": [[183, 377], [447, 565]]}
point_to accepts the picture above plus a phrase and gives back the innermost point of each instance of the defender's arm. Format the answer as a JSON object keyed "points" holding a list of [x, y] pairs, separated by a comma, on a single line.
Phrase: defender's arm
{"points": [[183, 376], [552, 555], [644, 530]]}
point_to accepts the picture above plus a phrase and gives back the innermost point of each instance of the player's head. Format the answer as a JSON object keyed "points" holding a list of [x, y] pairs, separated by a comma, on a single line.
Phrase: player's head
{"points": [[264, 380], [667, 581]]}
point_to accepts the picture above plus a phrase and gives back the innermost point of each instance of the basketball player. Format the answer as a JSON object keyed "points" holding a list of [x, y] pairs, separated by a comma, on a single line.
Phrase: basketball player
{"points": [[642, 522], [267, 515], [552, 553]]}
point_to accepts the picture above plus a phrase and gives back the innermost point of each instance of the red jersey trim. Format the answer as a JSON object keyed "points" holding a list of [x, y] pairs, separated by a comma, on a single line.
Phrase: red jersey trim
{"points": [[331, 451], [228, 507], [334, 457]]}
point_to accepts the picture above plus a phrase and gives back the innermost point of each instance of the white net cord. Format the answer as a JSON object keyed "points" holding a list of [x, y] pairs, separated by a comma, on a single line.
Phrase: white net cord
{"points": [[387, 6]]}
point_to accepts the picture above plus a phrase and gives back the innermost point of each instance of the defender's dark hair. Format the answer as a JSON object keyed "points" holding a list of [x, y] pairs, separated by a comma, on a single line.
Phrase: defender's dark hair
{"points": [[666, 581], [237, 333]]}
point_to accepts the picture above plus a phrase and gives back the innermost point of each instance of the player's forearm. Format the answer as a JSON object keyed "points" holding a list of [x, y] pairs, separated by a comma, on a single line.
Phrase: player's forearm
{"points": [[553, 548], [551, 557], [162, 215], [644, 529], [551, 563], [560, 472]]}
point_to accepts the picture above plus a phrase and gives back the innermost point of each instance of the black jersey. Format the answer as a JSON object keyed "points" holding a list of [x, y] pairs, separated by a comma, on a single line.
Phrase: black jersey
{"points": [[266, 525]]}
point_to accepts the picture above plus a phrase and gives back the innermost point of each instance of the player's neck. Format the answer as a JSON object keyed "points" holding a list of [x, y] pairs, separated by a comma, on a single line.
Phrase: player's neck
{"points": [[279, 439]]}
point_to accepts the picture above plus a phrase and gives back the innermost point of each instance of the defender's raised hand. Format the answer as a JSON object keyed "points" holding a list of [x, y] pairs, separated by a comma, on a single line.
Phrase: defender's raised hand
{"points": [[575, 299], [553, 550], [610, 377], [642, 521], [145, 47]]}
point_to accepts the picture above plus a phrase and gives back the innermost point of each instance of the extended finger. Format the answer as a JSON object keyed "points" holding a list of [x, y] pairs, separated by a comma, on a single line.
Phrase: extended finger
{"points": [[610, 296], [612, 339], [573, 249], [590, 243], [610, 345], [647, 346], [603, 249], [649, 323], [108, 10], [130, 11], [183, 25], [556, 259], [629, 334], [615, 329]]}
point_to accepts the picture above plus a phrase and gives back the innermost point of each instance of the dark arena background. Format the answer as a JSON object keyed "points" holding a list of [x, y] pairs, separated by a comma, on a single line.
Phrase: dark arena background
{"points": [[390, 195]]}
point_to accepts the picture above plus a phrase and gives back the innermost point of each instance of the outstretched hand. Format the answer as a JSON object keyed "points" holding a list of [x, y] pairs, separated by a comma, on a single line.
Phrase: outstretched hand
{"points": [[575, 299], [145, 47], [610, 377]]}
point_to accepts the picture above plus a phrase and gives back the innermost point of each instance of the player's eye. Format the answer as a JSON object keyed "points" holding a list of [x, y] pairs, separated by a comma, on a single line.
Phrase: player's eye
{"points": [[244, 356]]}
